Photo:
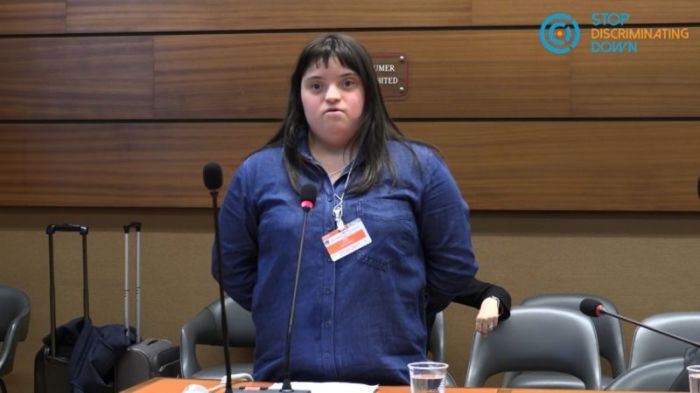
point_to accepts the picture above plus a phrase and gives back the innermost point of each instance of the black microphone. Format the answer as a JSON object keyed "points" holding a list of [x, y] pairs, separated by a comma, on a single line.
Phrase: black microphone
{"points": [[213, 179], [308, 199], [594, 308]]}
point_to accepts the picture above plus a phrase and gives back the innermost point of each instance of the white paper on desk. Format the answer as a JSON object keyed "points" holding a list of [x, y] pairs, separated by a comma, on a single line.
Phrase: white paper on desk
{"points": [[330, 387]]}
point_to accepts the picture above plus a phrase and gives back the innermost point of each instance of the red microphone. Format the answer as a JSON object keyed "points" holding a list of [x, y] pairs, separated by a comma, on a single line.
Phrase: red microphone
{"points": [[308, 197]]}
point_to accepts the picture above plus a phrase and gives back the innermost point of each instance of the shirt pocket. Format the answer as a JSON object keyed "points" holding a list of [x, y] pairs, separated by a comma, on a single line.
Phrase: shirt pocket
{"points": [[392, 227]]}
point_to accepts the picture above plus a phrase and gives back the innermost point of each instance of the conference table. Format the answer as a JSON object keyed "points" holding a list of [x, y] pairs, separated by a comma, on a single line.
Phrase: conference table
{"points": [[173, 385], [176, 385]]}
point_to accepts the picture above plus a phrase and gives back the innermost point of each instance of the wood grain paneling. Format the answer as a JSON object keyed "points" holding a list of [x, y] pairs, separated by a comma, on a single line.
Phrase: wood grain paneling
{"points": [[594, 166], [227, 76], [463, 74], [76, 78], [533, 12], [613, 166], [13, 159], [661, 79], [452, 74], [148, 165], [192, 15], [32, 16]]}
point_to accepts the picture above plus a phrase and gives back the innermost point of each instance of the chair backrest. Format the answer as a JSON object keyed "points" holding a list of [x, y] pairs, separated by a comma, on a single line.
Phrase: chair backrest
{"points": [[14, 324], [538, 339], [609, 330], [205, 329], [648, 346], [436, 343], [656, 376]]}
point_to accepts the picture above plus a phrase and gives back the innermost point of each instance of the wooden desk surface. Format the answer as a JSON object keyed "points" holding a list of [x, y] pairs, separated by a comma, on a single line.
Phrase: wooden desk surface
{"points": [[172, 385], [168, 385]]}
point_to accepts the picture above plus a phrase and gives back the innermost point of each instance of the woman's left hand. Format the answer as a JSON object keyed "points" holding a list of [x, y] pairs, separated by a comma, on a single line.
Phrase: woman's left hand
{"points": [[487, 318]]}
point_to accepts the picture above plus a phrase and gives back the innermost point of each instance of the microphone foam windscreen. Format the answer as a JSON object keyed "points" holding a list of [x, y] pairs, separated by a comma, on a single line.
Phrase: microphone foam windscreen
{"points": [[589, 307], [308, 193], [213, 178]]}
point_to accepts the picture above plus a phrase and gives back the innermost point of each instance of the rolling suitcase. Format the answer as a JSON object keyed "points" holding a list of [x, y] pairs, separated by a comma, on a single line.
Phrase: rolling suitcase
{"points": [[147, 358], [52, 371]]}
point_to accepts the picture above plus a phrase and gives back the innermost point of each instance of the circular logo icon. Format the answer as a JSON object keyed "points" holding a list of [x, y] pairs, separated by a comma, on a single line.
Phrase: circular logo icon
{"points": [[559, 33]]}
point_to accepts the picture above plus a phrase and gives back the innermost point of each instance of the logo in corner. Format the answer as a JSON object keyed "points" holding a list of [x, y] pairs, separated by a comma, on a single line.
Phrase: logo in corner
{"points": [[559, 33]]}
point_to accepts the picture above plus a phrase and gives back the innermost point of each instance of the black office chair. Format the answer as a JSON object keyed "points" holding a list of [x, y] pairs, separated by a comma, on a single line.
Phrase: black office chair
{"points": [[655, 376], [648, 346], [436, 344], [205, 329], [610, 341], [14, 325], [538, 339]]}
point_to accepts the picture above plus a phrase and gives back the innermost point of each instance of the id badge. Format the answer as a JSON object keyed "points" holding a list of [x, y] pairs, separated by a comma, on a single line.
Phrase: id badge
{"points": [[351, 238]]}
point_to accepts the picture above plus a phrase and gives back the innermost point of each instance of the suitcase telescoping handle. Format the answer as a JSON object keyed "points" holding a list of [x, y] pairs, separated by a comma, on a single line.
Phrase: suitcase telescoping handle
{"points": [[50, 230], [134, 224], [127, 228], [83, 229]]}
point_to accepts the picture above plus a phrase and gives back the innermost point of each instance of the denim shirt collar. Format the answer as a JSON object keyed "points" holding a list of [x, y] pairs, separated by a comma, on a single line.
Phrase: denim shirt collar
{"points": [[306, 152]]}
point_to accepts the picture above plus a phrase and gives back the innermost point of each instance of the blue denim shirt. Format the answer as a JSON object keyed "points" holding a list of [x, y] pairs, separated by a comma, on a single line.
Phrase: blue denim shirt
{"points": [[361, 318]]}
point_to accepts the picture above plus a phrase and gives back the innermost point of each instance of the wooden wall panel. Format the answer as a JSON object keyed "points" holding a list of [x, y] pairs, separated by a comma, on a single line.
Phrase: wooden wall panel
{"points": [[593, 165], [226, 76], [661, 79], [452, 74], [76, 78], [118, 165], [461, 74], [191, 15], [616, 166], [82, 97], [32, 16], [13, 160], [533, 12]]}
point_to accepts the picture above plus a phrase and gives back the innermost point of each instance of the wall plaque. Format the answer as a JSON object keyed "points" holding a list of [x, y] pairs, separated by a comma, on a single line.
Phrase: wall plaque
{"points": [[392, 74]]}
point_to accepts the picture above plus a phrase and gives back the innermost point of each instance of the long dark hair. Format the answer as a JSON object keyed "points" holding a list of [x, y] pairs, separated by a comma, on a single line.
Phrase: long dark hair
{"points": [[376, 127]]}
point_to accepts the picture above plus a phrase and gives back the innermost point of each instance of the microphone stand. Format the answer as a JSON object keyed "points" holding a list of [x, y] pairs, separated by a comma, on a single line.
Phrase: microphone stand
{"points": [[224, 320], [286, 384], [633, 322]]}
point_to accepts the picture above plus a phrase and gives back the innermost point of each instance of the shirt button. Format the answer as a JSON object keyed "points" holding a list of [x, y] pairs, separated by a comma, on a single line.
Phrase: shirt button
{"points": [[327, 324], [326, 354], [328, 291]]}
